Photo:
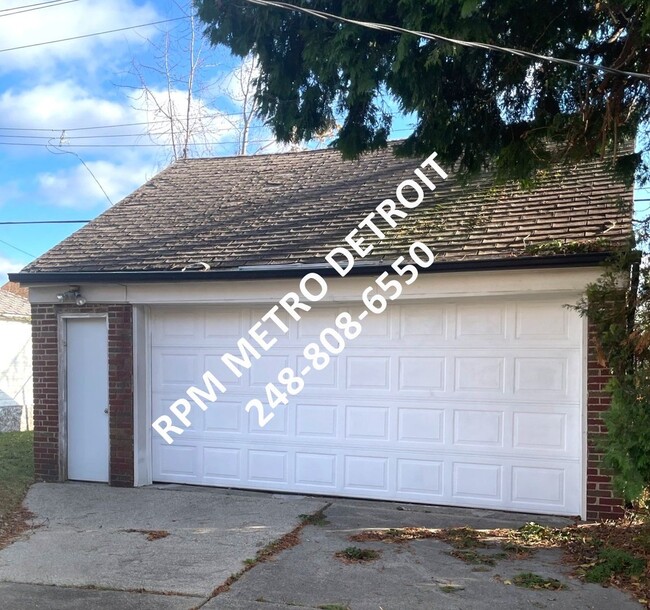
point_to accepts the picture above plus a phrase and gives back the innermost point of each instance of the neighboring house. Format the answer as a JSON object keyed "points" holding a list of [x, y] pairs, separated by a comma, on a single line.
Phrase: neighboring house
{"points": [[15, 359], [476, 387]]}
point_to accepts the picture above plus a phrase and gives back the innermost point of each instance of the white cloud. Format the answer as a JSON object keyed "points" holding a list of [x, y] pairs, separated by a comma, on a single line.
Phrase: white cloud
{"points": [[66, 21], [60, 105], [76, 187], [8, 266]]}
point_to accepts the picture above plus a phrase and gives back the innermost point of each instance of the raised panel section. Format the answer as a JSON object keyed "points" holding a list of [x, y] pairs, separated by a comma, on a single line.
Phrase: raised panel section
{"points": [[316, 469], [421, 373], [421, 425], [266, 370], [175, 368], [480, 321], [173, 327], [480, 374], [480, 481], [366, 423], [419, 476], [178, 459], [222, 463], [267, 466], [478, 428], [541, 374], [540, 431], [541, 322], [375, 326], [417, 321], [538, 485], [325, 378], [223, 416], [316, 420], [367, 372], [366, 473], [224, 324]]}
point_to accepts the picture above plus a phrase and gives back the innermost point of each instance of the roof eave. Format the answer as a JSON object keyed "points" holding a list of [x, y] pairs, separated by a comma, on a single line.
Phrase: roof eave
{"points": [[288, 271]]}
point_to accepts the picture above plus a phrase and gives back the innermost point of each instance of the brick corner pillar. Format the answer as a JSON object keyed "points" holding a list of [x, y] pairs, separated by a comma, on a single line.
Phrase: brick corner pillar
{"points": [[45, 354], [601, 501], [120, 394]]}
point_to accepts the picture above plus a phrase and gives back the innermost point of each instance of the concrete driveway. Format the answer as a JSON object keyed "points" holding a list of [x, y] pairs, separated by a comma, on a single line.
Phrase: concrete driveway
{"points": [[170, 547]]}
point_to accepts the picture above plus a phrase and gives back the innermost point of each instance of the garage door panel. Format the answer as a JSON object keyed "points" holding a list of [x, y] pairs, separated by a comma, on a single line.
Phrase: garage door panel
{"points": [[481, 323], [476, 428], [227, 417], [422, 324], [469, 403], [316, 470], [421, 373], [223, 326], [420, 425], [540, 324]]}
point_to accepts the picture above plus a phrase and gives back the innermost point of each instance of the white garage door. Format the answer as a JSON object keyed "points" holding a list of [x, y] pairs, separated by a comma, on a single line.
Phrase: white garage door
{"points": [[472, 403]]}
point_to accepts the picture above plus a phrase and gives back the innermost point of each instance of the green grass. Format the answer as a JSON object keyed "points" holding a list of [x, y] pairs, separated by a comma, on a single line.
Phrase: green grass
{"points": [[613, 561], [16, 470], [318, 519], [528, 580], [354, 553]]}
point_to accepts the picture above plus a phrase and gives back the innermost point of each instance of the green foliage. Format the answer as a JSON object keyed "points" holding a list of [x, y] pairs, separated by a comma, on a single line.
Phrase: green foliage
{"points": [[528, 580], [619, 306], [612, 562], [471, 106], [559, 246], [318, 518], [354, 553]]}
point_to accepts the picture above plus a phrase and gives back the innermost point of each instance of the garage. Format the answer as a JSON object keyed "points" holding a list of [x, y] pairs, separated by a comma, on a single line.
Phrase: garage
{"points": [[476, 387], [462, 402]]}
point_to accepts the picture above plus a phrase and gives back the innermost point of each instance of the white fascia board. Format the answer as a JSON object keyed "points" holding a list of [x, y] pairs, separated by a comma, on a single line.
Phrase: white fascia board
{"points": [[431, 285]]}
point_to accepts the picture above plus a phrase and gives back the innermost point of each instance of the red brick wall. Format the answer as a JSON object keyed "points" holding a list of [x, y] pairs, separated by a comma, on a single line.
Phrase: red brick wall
{"points": [[46, 389], [601, 502]]}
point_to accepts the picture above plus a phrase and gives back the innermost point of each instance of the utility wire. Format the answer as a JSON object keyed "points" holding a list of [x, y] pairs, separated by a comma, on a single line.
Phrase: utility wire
{"points": [[41, 222], [132, 27], [36, 7], [15, 8], [156, 121], [454, 41], [6, 243]]}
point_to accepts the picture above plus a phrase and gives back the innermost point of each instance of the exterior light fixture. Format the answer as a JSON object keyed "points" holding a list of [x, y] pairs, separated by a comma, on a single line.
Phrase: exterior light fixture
{"points": [[72, 296]]}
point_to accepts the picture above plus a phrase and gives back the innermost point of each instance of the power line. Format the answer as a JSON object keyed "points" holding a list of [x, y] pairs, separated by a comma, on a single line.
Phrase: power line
{"points": [[15, 8], [36, 7], [41, 222], [454, 41], [132, 27], [52, 129], [6, 243]]}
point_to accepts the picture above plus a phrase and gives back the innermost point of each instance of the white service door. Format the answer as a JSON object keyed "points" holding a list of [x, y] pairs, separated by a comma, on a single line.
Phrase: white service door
{"points": [[470, 403], [87, 398]]}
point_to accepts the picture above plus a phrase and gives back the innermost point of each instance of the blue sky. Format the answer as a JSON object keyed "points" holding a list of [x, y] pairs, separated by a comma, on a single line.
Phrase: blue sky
{"points": [[77, 126], [89, 93]]}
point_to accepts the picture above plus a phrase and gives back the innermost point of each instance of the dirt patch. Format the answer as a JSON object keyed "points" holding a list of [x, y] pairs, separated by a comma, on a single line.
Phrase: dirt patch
{"points": [[397, 535], [14, 525], [354, 554], [150, 534], [612, 553]]}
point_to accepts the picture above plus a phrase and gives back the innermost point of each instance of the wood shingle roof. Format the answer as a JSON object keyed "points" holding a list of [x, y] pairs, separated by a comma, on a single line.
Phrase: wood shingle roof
{"points": [[234, 212]]}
